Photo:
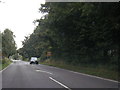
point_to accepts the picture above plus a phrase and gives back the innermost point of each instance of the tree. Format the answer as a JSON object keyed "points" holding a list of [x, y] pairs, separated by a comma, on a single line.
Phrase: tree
{"points": [[8, 43], [84, 29], [77, 32], [35, 44]]}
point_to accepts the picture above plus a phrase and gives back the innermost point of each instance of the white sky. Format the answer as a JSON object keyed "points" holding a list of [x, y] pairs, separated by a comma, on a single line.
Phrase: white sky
{"points": [[18, 16]]}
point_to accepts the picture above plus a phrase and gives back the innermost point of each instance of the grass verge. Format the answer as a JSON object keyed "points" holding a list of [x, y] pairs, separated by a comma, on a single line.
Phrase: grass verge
{"points": [[101, 71], [4, 63]]}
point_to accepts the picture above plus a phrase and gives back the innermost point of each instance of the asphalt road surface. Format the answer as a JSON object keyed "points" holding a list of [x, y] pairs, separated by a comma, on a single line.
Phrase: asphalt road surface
{"points": [[21, 74]]}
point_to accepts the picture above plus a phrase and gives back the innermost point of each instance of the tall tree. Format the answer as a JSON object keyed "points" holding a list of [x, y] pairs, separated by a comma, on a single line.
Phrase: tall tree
{"points": [[8, 43], [84, 29], [77, 32]]}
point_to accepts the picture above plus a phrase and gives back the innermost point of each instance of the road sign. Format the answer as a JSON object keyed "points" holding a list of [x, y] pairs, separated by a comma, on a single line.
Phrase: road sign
{"points": [[49, 54]]}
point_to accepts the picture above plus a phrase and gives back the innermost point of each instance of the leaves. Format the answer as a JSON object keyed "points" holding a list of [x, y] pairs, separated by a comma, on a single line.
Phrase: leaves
{"points": [[8, 43], [76, 31]]}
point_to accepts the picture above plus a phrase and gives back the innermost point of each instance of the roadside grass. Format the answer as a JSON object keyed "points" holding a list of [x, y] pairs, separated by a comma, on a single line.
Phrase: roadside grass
{"points": [[0, 66], [4, 63], [100, 70]]}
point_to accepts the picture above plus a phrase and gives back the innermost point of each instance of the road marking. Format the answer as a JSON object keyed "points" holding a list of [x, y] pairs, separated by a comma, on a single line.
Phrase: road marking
{"points": [[43, 71], [60, 83], [94, 76], [84, 74], [6, 67]]}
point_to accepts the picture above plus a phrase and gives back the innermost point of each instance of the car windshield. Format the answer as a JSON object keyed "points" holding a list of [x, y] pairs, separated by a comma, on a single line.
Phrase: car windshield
{"points": [[33, 58]]}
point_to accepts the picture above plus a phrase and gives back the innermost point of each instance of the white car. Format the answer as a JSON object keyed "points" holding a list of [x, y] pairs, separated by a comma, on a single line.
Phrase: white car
{"points": [[33, 60]]}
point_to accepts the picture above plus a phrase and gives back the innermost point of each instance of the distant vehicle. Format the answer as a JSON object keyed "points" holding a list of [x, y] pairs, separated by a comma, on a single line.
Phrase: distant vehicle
{"points": [[33, 60]]}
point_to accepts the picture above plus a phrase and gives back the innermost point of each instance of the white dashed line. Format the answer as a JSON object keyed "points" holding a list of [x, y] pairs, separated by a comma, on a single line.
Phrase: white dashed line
{"points": [[60, 83], [87, 75]]}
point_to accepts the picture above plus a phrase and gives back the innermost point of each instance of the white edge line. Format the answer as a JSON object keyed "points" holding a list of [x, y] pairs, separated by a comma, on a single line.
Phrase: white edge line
{"points": [[87, 74], [95, 76], [6, 67], [60, 83]]}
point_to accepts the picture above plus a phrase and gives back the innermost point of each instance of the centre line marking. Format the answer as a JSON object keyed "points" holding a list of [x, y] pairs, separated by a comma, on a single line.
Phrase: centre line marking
{"points": [[43, 71], [60, 83]]}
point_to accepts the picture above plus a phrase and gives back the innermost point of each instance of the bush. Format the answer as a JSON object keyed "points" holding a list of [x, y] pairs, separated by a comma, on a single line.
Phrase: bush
{"points": [[5, 61]]}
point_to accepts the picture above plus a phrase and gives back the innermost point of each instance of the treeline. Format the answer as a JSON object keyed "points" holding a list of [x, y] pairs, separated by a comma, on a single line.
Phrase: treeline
{"points": [[76, 33]]}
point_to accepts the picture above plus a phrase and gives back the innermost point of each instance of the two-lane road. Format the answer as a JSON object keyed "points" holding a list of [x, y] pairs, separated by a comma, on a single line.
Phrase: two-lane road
{"points": [[21, 74]]}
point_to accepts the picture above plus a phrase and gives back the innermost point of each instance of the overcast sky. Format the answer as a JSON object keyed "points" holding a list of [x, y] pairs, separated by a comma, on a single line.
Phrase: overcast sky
{"points": [[18, 16]]}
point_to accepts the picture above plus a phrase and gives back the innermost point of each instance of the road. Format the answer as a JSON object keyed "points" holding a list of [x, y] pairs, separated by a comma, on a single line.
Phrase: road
{"points": [[21, 74]]}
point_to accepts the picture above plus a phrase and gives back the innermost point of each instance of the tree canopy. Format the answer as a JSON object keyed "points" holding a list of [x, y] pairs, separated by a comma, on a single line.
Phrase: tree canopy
{"points": [[76, 32], [8, 43]]}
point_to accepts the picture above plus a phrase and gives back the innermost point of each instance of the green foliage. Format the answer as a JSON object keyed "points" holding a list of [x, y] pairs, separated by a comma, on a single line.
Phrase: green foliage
{"points": [[17, 56], [77, 33], [5, 63], [0, 41], [8, 43], [5, 60], [0, 47], [100, 70], [26, 59]]}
